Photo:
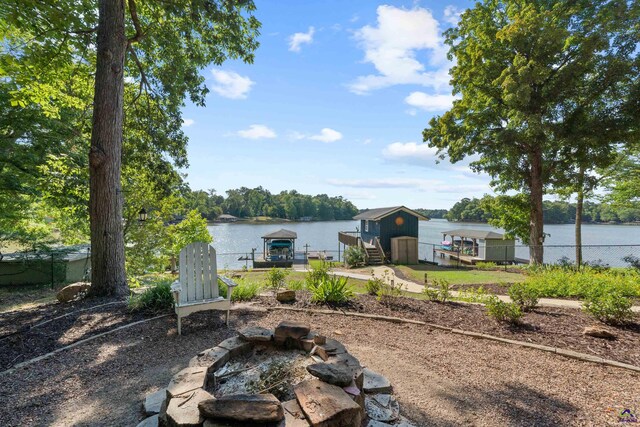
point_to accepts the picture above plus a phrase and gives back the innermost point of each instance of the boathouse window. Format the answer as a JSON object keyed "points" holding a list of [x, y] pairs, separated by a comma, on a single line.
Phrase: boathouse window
{"points": [[366, 226]]}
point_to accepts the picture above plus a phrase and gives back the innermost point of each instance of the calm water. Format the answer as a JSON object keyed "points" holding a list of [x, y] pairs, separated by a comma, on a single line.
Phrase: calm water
{"points": [[234, 240]]}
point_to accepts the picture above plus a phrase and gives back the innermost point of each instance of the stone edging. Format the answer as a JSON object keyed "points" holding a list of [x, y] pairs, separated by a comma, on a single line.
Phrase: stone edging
{"points": [[566, 353], [77, 343]]}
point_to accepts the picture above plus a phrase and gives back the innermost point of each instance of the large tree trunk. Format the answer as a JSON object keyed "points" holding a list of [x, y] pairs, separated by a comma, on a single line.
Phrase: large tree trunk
{"points": [[536, 219], [579, 207], [108, 275]]}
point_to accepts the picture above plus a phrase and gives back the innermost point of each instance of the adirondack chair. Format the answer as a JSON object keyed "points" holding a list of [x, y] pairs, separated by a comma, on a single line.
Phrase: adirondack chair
{"points": [[197, 287]]}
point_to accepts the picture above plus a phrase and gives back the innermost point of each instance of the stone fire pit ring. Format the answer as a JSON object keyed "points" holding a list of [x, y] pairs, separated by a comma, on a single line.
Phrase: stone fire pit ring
{"points": [[330, 387]]}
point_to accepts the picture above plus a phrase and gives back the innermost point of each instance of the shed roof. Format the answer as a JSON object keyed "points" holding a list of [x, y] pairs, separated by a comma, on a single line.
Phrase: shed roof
{"points": [[475, 234], [379, 213], [281, 234]]}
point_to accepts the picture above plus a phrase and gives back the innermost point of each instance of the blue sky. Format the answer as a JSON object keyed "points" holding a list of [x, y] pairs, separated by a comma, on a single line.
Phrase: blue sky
{"points": [[334, 103]]}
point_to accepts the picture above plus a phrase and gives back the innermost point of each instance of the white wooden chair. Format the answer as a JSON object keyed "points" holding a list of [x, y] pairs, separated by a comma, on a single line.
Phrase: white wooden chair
{"points": [[197, 287]]}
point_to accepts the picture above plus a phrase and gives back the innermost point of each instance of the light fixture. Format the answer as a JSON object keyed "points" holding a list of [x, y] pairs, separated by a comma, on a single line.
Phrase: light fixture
{"points": [[142, 215]]}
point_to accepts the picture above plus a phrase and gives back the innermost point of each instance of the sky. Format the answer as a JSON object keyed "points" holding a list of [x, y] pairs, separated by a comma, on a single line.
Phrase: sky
{"points": [[334, 103]]}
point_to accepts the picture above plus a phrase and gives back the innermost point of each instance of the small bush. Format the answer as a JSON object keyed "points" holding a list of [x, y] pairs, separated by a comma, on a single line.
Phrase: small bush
{"points": [[633, 261], [156, 298], [276, 278], [245, 291], [609, 307], [478, 295], [373, 285], [486, 265], [354, 256], [333, 290], [389, 290], [441, 293], [295, 285], [318, 275], [501, 311], [525, 296]]}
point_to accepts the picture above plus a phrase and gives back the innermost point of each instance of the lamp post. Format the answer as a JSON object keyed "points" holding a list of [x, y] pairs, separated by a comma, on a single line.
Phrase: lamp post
{"points": [[142, 215]]}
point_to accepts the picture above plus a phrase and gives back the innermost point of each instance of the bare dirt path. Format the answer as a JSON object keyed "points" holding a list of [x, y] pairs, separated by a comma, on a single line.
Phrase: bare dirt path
{"points": [[439, 378]]}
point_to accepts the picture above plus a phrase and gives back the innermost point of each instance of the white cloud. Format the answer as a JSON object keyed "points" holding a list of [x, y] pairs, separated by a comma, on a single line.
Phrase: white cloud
{"points": [[367, 141], [187, 122], [409, 150], [327, 135], [297, 39], [257, 132], [419, 184], [230, 84], [391, 47], [430, 102], [452, 14]]}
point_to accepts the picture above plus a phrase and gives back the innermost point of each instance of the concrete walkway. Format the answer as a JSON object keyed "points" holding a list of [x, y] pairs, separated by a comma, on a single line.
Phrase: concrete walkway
{"points": [[410, 286]]}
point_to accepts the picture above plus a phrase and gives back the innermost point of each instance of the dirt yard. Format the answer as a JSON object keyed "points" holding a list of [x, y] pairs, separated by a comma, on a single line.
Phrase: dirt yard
{"points": [[439, 378]]}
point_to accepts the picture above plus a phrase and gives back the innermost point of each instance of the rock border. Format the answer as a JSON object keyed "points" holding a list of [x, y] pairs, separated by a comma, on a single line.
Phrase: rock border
{"points": [[342, 391], [563, 352]]}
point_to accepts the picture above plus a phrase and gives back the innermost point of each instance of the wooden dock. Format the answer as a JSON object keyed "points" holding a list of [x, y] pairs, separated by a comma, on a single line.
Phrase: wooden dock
{"points": [[472, 260]]}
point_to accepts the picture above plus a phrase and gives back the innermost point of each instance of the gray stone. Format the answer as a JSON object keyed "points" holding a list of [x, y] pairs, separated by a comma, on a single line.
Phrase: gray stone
{"points": [[256, 334], [290, 329], [236, 346], [153, 401], [383, 408], [374, 423], [183, 410], [334, 347], [187, 380], [212, 359], [286, 296], [251, 408], [293, 414], [376, 383], [326, 405], [73, 291], [331, 373], [599, 332], [152, 421]]}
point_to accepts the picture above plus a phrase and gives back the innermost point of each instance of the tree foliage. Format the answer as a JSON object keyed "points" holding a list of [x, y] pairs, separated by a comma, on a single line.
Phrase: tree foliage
{"points": [[538, 80]]}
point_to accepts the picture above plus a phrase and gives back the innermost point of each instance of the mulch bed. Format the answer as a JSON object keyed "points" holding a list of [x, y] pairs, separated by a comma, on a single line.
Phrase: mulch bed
{"points": [[555, 327], [22, 336]]}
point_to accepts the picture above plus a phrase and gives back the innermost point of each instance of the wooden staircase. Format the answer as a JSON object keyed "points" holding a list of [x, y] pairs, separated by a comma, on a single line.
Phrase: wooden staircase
{"points": [[374, 257]]}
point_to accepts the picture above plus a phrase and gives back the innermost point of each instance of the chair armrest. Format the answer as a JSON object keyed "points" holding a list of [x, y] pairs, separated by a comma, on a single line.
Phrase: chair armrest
{"points": [[230, 285], [176, 288]]}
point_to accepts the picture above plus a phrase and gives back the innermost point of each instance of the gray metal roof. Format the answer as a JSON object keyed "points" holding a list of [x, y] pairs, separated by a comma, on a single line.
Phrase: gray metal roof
{"points": [[475, 234], [281, 234], [379, 213]]}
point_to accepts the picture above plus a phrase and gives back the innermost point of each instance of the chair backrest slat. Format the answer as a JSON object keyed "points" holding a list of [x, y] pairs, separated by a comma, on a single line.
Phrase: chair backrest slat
{"points": [[198, 272]]}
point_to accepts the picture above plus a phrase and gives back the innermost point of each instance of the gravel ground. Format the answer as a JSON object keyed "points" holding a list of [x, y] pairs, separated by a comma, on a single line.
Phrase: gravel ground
{"points": [[440, 379]]}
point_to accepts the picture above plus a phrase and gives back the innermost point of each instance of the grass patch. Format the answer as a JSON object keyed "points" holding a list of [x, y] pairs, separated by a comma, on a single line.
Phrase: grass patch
{"points": [[563, 283], [463, 276]]}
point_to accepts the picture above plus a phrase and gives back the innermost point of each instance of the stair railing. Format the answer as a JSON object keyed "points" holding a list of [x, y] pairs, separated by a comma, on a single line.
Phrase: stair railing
{"points": [[378, 245]]}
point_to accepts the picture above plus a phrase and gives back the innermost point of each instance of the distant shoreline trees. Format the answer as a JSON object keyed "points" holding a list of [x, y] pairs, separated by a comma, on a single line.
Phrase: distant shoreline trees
{"points": [[251, 202]]}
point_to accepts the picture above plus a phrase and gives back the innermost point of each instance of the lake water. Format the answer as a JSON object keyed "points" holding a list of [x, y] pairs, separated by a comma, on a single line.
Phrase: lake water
{"points": [[608, 243]]}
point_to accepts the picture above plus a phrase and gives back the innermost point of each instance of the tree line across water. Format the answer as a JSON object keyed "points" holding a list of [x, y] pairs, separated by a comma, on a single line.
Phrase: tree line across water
{"points": [[555, 212], [252, 202]]}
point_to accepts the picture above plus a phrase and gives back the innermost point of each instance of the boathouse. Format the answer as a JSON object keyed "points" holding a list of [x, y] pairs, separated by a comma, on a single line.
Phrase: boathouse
{"points": [[278, 248], [471, 246], [387, 233]]}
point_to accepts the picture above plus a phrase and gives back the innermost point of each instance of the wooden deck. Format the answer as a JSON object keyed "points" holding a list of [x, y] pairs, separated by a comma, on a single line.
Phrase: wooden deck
{"points": [[472, 260]]}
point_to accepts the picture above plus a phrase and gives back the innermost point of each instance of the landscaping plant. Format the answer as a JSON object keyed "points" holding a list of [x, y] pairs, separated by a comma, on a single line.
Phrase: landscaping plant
{"points": [[374, 285], [245, 291], [157, 298], [440, 293], [610, 307], [354, 256], [524, 295], [318, 274], [276, 278], [486, 265], [332, 290], [506, 312], [295, 285]]}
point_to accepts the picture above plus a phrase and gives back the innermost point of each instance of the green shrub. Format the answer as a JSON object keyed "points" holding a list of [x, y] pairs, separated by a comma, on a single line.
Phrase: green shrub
{"points": [[318, 275], [560, 283], [478, 295], [486, 265], [333, 290], [440, 293], [276, 278], [388, 290], [609, 307], [373, 285], [245, 291], [295, 285], [524, 295], [156, 298], [354, 256], [501, 311]]}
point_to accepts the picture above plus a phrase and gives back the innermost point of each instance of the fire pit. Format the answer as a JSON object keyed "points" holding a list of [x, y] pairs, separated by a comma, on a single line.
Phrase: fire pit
{"points": [[289, 377]]}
